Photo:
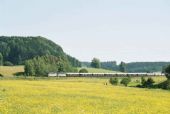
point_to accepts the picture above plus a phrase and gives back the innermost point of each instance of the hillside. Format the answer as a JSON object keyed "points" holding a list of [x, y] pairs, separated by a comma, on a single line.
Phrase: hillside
{"points": [[17, 50], [97, 70]]}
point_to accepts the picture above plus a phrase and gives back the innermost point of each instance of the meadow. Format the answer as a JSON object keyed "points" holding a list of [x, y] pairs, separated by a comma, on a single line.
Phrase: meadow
{"points": [[9, 71], [79, 96]]}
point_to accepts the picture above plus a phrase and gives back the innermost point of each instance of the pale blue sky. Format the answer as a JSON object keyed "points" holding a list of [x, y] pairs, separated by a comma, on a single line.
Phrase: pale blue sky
{"points": [[127, 30]]}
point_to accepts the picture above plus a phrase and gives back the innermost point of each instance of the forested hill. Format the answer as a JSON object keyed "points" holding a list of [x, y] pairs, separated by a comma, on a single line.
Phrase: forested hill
{"points": [[16, 49]]}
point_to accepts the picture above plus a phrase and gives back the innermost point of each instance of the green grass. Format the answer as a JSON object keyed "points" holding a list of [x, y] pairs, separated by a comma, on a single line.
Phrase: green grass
{"points": [[97, 70], [79, 96]]}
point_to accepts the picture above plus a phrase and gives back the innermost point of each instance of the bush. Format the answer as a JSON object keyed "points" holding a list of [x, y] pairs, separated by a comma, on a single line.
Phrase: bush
{"points": [[83, 70], [125, 81], [148, 83], [1, 75], [167, 72], [114, 81], [165, 85], [7, 63], [143, 80]]}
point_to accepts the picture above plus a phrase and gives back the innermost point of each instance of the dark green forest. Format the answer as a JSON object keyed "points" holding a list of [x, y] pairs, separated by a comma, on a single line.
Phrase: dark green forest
{"points": [[16, 50]]}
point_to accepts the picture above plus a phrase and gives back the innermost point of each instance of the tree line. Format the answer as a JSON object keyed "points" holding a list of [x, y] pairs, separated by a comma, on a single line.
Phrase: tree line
{"points": [[128, 67], [41, 66], [110, 65]]}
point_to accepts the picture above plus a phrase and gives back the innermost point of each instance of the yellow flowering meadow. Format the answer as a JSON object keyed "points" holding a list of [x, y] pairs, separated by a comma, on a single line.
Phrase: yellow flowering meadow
{"points": [[79, 96]]}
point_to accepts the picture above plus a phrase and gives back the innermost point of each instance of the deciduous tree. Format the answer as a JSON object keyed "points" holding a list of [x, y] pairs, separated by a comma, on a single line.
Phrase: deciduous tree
{"points": [[95, 63]]}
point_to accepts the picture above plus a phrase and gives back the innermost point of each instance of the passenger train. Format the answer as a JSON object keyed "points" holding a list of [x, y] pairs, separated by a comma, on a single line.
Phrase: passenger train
{"points": [[104, 74], [112, 74]]}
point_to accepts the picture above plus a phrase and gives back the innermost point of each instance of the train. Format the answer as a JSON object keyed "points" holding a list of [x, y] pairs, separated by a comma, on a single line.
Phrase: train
{"points": [[104, 74], [112, 74]]}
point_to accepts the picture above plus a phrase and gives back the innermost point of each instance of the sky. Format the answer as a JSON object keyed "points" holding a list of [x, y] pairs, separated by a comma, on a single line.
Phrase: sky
{"points": [[121, 30]]}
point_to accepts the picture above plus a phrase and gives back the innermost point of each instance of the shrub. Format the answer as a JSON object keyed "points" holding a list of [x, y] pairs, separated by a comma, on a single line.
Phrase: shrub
{"points": [[114, 81], [1, 75], [148, 83], [7, 63], [143, 80], [167, 72], [83, 70], [125, 81], [165, 85]]}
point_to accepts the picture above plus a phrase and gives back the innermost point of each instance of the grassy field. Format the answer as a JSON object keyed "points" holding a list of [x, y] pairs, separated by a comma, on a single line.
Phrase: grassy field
{"points": [[96, 70], [9, 71], [79, 96]]}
